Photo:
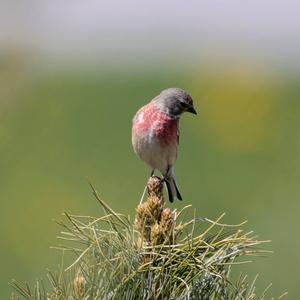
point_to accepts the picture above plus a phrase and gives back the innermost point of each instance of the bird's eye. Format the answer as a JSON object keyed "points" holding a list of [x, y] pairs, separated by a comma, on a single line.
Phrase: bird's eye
{"points": [[184, 104]]}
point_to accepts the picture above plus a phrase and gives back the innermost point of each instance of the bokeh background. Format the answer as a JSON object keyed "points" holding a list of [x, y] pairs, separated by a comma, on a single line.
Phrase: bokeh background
{"points": [[72, 75]]}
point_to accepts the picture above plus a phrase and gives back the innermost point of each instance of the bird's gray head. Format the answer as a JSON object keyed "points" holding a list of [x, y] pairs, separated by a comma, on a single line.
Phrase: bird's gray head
{"points": [[174, 102]]}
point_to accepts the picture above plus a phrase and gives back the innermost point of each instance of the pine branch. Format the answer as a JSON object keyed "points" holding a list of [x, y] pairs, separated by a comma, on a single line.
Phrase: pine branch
{"points": [[158, 257]]}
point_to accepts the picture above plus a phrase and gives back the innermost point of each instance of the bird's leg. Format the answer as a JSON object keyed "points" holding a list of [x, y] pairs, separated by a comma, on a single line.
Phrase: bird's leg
{"points": [[144, 192], [167, 179], [167, 174]]}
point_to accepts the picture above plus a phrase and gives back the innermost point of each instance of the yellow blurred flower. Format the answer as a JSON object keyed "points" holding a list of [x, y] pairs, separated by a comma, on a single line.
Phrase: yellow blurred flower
{"points": [[236, 107]]}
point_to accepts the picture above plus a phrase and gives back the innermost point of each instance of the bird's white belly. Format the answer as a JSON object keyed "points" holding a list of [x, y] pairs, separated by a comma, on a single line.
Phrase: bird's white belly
{"points": [[154, 154]]}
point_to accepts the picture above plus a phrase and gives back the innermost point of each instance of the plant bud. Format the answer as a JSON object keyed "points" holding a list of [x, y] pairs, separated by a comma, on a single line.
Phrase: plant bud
{"points": [[79, 286]]}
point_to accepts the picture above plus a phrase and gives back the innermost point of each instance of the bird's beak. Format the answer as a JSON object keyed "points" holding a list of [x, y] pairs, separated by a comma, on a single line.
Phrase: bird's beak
{"points": [[192, 110]]}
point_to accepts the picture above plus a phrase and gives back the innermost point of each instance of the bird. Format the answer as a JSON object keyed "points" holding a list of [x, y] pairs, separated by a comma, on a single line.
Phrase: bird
{"points": [[155, 134]]}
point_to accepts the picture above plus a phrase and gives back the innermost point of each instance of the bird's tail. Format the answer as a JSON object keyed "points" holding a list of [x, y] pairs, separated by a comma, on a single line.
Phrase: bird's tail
{"points": [[172, 187]]}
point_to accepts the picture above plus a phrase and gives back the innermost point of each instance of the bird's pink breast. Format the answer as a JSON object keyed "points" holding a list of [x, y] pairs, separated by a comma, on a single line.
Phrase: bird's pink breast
{"points": [[150, 121]]}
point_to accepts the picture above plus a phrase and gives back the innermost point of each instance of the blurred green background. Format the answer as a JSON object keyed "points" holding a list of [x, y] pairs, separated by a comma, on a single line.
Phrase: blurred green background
{"points": [[64, 120]]}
